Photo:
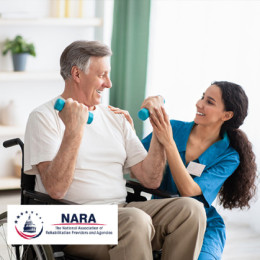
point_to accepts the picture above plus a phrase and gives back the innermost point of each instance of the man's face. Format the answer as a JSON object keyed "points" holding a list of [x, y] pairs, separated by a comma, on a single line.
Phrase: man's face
{"points": [[93, 83]]}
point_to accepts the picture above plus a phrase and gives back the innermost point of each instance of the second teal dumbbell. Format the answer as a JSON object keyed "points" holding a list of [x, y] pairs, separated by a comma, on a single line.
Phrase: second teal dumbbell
{"points": [[60, 103], [144, 113]]}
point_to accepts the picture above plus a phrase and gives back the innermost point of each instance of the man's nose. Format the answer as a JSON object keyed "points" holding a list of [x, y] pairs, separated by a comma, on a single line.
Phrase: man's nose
{"points": [[108, 83]]}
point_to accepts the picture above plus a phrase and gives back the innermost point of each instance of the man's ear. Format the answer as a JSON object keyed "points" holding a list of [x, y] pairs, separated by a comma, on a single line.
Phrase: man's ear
{"points": [[75, 73], [228, 115]]}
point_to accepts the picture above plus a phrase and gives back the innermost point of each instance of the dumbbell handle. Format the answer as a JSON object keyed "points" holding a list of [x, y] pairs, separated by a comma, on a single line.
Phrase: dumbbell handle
{"points": [[60, 103]]}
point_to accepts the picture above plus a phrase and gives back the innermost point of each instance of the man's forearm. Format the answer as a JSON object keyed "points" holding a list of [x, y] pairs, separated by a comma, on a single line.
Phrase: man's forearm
{"points": [[57, 175], [153, 165]]}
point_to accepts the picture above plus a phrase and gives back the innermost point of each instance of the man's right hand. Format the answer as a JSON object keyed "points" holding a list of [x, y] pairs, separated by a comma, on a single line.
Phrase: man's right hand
{"points": [[152, 103], [74, 115]]}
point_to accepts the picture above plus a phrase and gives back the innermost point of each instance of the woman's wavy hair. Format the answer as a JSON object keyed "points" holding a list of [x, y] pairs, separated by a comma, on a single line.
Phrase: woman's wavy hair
{"points": [[240, 187]]}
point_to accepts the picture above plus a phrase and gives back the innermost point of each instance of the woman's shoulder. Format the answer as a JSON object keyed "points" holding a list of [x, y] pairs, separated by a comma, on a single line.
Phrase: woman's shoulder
{"points": [[230, 151], [232, 155], [181, 125]]}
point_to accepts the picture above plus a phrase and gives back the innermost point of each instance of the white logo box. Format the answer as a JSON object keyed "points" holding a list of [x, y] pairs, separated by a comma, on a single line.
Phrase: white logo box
{"points": [[62, 224]]}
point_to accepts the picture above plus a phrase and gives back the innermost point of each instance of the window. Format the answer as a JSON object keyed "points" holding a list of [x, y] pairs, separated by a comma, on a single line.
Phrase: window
{"points": [[193, 43]]}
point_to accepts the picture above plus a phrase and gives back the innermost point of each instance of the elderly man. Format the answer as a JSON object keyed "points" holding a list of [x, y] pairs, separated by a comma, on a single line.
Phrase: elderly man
{"points": [[85, 164]]}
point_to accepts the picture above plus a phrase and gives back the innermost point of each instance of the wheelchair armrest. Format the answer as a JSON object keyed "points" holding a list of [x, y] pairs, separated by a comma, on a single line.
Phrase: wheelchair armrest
{"points": [[138, 188], [36, 197]]}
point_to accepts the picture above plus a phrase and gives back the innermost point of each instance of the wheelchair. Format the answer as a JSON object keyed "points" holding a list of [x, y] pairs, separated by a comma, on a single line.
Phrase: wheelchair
{"points": [[31, 197]]}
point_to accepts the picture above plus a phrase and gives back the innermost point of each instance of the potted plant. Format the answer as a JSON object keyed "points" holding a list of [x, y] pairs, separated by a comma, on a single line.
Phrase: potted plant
{"points": [[20, 49]]}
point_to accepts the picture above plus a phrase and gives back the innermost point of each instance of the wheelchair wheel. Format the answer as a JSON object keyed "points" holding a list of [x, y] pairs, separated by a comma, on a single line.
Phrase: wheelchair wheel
{"points": [[36, 252], [23, 252]]}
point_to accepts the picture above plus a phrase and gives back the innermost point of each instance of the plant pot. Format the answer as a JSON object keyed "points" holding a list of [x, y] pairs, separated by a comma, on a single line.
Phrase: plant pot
{"points": [[19, 61]]}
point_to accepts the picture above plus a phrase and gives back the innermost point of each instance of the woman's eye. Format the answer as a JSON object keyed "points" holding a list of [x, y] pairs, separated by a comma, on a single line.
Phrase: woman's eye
{"points": [[209, 102]]}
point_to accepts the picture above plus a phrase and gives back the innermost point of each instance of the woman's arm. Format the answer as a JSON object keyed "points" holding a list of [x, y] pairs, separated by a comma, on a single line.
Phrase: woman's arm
{"points": [[163, 130]]}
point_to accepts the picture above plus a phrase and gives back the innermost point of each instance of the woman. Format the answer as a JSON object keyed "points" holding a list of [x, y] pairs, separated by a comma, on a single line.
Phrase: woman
{"points": [[209, 156]]}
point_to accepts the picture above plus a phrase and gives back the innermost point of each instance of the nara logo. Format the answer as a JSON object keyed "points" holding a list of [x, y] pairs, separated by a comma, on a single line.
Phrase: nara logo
{"points": [[29, 225]]}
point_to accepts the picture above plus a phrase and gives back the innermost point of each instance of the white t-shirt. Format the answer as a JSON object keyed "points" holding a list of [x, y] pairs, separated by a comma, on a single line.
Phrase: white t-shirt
{"points": [[108, 149]]}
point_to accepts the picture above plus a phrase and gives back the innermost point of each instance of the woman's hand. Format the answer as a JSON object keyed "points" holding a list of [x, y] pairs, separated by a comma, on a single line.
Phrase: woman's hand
{"points": [[152, 103], [117, 110], [162, 127]]}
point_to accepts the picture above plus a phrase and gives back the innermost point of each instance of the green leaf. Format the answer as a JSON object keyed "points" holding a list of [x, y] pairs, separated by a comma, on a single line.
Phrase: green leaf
{"points": [[18, 45]]}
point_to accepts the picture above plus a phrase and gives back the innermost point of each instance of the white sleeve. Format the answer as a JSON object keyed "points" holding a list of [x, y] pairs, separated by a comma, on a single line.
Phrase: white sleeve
{"points": [[135, 152], [42, 140]]}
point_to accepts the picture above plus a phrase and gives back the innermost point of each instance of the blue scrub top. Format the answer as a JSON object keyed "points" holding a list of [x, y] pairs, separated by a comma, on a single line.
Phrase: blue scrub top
{"points": [[220, 161]]}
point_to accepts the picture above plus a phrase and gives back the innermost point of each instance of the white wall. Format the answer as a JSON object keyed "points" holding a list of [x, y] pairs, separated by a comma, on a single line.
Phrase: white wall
{"points": [[193, 43], [50, 42]]}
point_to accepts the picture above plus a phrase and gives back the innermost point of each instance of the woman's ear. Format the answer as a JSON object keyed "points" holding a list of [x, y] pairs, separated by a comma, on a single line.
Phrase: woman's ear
{"points": [[228, 115], [75, 73]]}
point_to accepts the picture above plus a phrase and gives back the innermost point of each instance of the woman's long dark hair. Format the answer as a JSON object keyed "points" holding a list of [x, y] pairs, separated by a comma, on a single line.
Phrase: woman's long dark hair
{"points": [[240, 187]]}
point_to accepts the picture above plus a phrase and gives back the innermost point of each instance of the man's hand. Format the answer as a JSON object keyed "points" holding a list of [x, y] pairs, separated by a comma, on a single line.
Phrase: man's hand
{"points": [[152, 103], [74, 116]]}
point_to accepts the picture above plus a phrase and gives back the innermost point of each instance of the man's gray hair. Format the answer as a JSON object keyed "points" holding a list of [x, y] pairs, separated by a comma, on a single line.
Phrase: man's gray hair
{"points": [[79, 53]]}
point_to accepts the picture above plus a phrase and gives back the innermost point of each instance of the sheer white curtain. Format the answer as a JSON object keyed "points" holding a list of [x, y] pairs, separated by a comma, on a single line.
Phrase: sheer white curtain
{"points": [[193, 43]]}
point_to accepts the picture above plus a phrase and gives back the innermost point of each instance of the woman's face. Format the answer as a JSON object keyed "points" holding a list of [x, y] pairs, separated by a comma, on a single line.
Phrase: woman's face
{"points": [[211, 109]]}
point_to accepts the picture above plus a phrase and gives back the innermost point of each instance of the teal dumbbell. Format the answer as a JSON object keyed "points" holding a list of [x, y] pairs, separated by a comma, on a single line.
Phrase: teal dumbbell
{"points": [[60, 103], [144, 113]]}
